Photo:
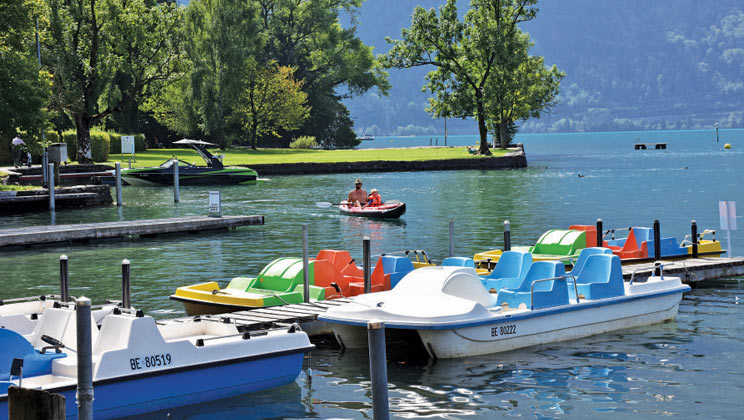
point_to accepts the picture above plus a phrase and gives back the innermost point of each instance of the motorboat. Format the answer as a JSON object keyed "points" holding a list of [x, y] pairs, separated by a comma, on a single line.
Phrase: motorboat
{"points": [[388, 210], [332, 274], [142, 365], [449, 312], [215, 173]]}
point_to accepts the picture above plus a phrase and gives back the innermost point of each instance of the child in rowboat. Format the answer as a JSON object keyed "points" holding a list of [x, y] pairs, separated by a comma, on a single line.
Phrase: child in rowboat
{"points": [[374, 199]]}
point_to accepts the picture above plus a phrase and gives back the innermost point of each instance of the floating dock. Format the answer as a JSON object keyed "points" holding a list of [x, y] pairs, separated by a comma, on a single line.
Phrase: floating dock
{"points": [[644, 146], [36, 235], [691, 270]]}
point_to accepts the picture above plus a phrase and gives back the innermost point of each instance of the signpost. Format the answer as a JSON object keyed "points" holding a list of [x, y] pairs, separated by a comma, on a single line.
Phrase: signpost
{"points": [[215, 207], [127, 146], [727, 212]]}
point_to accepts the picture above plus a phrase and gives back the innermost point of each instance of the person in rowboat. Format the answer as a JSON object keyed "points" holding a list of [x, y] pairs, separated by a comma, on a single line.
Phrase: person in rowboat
{"points": [[357, 196], [374, 199]]}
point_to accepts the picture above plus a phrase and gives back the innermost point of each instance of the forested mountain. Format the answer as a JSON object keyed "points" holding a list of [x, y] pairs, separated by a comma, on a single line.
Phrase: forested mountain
{"points": [[664, 64]]}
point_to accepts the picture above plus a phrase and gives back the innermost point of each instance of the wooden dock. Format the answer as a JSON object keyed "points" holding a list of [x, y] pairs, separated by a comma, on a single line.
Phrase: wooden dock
{"points": [[35, 235], [690, 270], [304, 314]]}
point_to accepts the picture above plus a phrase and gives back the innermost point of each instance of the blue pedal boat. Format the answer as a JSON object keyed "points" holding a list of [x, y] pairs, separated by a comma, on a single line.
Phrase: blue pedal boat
{"points": [[142, 365]]}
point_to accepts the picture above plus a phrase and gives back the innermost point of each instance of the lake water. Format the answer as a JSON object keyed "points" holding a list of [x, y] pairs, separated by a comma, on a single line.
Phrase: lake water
{"points": [[684, 368]]}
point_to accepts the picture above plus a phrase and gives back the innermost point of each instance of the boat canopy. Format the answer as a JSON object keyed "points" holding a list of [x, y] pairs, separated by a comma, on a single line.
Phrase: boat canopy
{"points": [[201, 148]]}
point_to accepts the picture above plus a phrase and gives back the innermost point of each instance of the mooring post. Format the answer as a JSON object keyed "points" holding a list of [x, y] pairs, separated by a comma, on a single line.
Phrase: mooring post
{"points": [[126, 294], [694, 234], [27, 403], [118, 184], [600, 240], [45, 168], [84, 360], [657, 245], [378, 369], [51, 186], [176, 190], [367, 263], [451, 238], [305, 265], [64, 286], [507, 236]]}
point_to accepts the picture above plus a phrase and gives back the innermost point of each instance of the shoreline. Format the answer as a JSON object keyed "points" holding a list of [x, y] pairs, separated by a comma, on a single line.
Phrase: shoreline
{"points": [[515, 159]]}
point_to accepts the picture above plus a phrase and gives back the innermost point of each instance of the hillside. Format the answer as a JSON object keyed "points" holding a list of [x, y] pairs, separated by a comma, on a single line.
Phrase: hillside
{"points": [[671, 64]]}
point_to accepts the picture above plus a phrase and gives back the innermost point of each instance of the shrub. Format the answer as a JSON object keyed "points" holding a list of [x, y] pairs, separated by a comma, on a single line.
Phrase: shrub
{"points": [[100, 143], [70, 137], [304, 142]]}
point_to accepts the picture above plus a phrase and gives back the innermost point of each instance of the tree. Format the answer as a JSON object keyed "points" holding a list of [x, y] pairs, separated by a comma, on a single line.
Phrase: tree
{"points": [[306, 35], [24, 90], [105, 53], [271, 100], [467, 54], [520, 93]]}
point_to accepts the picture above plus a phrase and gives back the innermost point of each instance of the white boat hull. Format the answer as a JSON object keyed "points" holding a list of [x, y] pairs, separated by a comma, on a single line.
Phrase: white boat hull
{"points": [[451, 327]]}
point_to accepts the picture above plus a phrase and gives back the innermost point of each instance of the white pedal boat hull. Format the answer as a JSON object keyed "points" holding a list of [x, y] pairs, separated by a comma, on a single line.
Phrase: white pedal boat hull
{"points": [[451, 326]]}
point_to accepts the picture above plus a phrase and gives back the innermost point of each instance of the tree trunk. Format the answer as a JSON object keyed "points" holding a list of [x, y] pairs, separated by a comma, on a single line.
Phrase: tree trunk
{"points": [[82, 124], [254, 136], [482, 130], [503, 134]]}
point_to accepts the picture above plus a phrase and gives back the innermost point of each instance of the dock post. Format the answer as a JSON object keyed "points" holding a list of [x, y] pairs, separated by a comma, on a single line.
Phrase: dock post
{"points": [[507, 236], [84, 360], [600, 240], [126, 295], [367, 279], [305, 266], [45, 168], [378, 369], [176, 186], [64, 285], [657, 245], [118, 184], [50, 170], [694, 234], [451, 238], [27, 403]]}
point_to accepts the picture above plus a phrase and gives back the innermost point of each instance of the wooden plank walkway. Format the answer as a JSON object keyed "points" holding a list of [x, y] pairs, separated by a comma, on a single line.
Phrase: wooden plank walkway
{"points": [[690, 270], [305, 314], [34, 235]]}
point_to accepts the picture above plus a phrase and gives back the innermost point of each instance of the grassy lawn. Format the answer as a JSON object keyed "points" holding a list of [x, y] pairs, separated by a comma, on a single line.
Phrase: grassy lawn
{"points": [[242, 156]]}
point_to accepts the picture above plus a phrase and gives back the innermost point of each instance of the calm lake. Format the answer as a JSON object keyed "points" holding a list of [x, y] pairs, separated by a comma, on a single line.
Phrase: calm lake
{"points": [[691, 367]]}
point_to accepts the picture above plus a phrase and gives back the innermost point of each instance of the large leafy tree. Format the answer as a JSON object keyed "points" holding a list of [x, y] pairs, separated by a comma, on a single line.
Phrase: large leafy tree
{"points": [[24, 87], [518, 90], [467, 55], [222, 48], [272, 100], [331, 61], [105, 53]]}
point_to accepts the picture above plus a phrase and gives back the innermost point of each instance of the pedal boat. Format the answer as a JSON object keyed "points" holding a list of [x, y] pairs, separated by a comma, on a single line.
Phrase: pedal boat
{"points": [[388, 210], [140, 365], [215, 173], [22, 314], [451, 314], [332, 274], [638, 245]]}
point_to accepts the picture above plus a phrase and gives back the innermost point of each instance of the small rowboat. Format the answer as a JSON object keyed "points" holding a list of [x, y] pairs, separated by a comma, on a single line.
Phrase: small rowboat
{"points": [[389, 210]]}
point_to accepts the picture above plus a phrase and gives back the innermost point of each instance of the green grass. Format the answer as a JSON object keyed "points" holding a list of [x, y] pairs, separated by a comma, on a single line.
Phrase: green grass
{"points": [[240, 156], [17, 187]]}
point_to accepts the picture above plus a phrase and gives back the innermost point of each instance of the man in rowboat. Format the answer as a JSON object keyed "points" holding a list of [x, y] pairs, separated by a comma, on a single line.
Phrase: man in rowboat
{"points": [[357, 196]]}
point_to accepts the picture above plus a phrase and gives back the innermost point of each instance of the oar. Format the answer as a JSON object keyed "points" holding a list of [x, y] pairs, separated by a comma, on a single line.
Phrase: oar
{"points": [[325, 204]]}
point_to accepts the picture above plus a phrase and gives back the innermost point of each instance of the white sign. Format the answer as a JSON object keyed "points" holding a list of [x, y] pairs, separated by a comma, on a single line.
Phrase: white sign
{"points": [[215, 207], [727, 212], [127, 144]]}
